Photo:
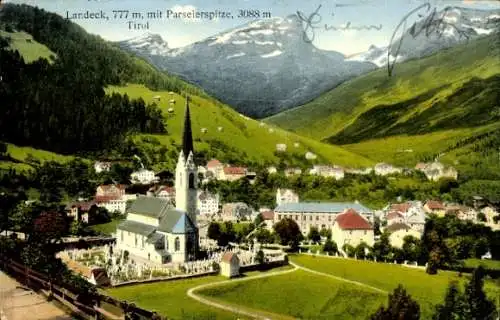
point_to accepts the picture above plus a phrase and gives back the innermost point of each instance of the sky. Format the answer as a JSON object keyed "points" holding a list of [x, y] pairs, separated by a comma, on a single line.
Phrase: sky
{"points": [[181, 32]]}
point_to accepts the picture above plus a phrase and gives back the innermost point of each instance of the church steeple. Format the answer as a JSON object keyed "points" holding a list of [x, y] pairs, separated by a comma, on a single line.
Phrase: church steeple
{"points": [[187, 137]]}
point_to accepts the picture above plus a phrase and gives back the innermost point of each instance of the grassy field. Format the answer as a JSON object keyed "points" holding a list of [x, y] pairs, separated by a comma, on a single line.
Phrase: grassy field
{"points": [[431, 80], [170, 298], [426, 289], [488, 264], [27, 47], [246, 136], [107, 228], [300, 295], [21, 157]]}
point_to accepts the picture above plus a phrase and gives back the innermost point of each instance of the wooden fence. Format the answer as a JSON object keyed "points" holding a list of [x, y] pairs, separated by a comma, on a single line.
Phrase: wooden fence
{"points": [[104, 307]]}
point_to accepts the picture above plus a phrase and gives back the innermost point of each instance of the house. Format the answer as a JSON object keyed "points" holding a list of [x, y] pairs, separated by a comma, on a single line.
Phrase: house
{"points": [[359, 171], [208, 203], [462, 212], [102, 166], [233, 173], [435, 207], [286, 196], [327, 171], [416, 220], [79, 210], [112, 197], [394, 217], [268, 217], [490, 212], [292, 171], [230, 265], [398, 231], [165, 192], [272, 170], [352, 228], [216, 168], [110, 190], [280, 147], [310, 156], [235, 211], [321, 215], [156, 230], [383, 169], [143, 176], [436, 170]]}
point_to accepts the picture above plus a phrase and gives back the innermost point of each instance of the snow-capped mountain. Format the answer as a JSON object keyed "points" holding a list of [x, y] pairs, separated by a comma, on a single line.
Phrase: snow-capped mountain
{"points": [[260, 68], [434, 32]]}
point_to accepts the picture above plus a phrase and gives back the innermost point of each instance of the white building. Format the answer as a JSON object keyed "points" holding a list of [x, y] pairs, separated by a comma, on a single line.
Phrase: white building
{"points": [[272, 170], [310, 156], [101, 166], [280, 147], [154, 229], [143, 176], [352, 228], [236, 210], [398, 231], [112, 197], [292, 172], [216, 168], [112, 205], [165, 192], [286, 196], [208, 203], [230, 265], [383, 169], [327, 171], [321, 215], [268, 217]]}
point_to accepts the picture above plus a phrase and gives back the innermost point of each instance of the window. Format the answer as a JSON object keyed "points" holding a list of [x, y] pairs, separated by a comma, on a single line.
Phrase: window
{"points": [[317, 218], [365, 232], [191, 181], [310, 218], [296, 217], [329, 218], [121, 235], [177, 244], [303, 217], [136, 240]]}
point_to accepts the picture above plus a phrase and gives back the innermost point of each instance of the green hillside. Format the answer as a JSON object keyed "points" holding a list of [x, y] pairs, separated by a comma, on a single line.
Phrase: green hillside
{"points": [[29, 48], [444, 90], [241, 139]]}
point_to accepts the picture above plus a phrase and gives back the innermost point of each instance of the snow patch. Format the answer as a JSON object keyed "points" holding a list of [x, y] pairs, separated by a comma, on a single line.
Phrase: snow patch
{"points": [[272, 54], [240, 42], [264, 42], [240, 54], [483, 31], [263, 31]]}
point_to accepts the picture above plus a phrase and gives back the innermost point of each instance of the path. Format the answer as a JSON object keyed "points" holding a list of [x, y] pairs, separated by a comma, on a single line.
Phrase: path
{"points": [[262, 315], [18, 303], [252, 314], [338, 278]]}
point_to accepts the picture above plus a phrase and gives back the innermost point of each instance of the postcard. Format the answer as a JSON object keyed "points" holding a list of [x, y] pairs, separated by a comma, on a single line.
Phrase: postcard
{"points": [[249, 159]]}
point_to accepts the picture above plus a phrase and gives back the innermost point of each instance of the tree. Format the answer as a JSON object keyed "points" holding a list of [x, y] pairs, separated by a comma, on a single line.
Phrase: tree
{"points": [[330, 247], [481, 216], [314, 235], [382, 248], [452, 308], [288, 232], [361, 249], [258, 220], [327, 233], [214, 231], [264, 236], [411, 248], [376, 226], [476, 303], [400, 306], [260, 257]]}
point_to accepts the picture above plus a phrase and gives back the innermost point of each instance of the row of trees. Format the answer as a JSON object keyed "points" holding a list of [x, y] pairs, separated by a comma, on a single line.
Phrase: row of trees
{"points": [[469, 304]]}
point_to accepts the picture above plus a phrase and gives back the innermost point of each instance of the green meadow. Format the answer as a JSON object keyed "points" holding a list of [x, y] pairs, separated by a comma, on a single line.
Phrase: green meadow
{"points": [[20, 157], [240, 135], [27, 46]]}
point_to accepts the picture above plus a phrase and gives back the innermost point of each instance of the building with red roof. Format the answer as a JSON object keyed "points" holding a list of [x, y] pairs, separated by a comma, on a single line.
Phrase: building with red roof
{"points": [[436, 207], [352, 228], [233, 173], [230, 265]]}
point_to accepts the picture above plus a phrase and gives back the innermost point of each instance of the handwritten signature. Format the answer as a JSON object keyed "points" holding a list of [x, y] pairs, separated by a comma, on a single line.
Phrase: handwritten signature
{"points": [[313, 21], [432, 24]]}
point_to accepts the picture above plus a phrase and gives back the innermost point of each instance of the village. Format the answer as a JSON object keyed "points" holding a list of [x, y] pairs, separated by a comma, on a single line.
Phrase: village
{"points": [[165, 233]]}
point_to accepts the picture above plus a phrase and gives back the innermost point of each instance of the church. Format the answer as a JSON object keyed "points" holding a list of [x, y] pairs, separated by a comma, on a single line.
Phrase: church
{"points": [[157, 231]]}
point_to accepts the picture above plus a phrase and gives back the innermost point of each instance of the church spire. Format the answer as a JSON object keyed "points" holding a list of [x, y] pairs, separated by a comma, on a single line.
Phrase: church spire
{"points": [[187, 137]]}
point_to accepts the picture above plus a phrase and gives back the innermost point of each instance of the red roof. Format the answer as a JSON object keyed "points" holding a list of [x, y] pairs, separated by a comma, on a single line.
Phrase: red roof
{"points": [[234, 170], [83, 205], [267, 215], [401, 207], [434, 205], [213, 163], [101, 199], [351, 220], [393, 215], [228, 256]]}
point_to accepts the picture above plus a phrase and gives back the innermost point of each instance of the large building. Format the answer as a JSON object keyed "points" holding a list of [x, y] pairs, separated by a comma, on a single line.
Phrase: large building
{"points": [[286, 196], [208, 203], [352, 229], [154, 229], [318, 214]]}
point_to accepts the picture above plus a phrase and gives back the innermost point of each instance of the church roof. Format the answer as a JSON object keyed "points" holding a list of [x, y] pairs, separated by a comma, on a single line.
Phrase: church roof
{"points": [[136, 227], [155, 237], [150, 206], [176, 221], [187, 136]]}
